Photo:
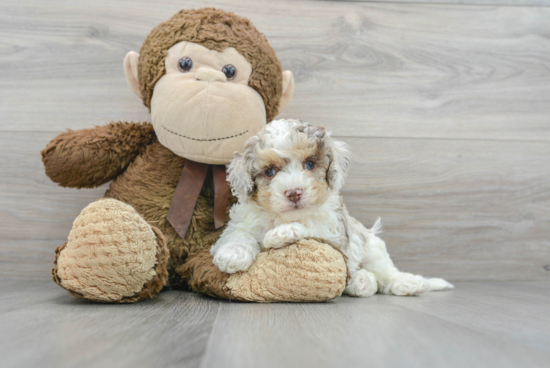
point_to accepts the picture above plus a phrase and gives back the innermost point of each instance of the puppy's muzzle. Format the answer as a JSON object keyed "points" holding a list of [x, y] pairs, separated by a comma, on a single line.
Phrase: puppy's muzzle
{"points": [[294, 195]]}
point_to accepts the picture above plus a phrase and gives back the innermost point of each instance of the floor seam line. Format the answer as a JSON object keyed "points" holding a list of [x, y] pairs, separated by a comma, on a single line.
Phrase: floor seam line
{"points": [[210, 338]]}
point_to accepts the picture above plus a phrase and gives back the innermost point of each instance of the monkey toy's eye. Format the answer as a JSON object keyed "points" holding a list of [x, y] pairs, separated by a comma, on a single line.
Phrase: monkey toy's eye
{"points": [[309, 165], [185, 64], [230, 71], [270, 172]]}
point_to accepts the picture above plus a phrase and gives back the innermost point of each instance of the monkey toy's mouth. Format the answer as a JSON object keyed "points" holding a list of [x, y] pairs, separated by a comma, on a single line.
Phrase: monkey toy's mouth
{"points": [[204, 139]]}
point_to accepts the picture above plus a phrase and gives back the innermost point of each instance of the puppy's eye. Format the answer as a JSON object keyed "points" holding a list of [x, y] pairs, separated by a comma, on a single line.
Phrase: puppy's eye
{"points": [[185, 64], [230, 71], [309, 165], [270, 172]]}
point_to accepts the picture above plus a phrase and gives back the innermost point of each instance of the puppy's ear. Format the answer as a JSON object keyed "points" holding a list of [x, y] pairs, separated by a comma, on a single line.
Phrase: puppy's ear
{"points": [[340, 157], [240, 178]]}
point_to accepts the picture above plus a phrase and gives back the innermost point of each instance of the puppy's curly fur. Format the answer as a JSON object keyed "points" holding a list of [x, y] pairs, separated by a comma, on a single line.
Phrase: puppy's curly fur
{"points": [[288, 184]]}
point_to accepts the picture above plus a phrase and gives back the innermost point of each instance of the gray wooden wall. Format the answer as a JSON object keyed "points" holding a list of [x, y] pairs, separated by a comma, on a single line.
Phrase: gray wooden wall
{"points": [[446, 105]]}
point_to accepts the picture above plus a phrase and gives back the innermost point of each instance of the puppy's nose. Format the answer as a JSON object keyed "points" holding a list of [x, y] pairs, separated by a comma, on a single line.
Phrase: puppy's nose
{"points": [[294, 195], [210, 75]]}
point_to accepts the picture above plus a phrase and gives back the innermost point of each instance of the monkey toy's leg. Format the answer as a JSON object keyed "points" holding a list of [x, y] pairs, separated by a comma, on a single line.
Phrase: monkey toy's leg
{"points": [[306, 271], [112, 255]]}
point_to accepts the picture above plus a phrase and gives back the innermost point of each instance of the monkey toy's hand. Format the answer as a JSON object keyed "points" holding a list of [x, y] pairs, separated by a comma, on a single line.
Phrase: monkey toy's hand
{"points": [[88, 158]]}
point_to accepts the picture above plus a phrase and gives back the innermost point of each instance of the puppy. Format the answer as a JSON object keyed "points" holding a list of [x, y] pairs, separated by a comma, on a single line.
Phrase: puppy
{"points": [[288, 185]]}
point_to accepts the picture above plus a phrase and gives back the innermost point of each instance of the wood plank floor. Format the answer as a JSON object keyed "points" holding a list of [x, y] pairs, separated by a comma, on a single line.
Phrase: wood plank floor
{"points": [[481, 324]]}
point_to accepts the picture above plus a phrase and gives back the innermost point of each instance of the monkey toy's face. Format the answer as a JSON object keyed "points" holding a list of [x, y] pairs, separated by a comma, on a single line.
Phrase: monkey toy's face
{"points": [[203, 108]]}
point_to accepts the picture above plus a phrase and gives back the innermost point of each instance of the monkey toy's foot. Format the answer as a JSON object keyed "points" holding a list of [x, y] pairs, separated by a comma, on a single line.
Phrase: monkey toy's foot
{"points": [[306, 271], [112, 255]]}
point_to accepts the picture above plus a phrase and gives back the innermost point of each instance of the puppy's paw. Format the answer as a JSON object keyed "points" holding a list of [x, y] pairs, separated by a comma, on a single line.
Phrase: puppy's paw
{"points": [[235, 256], [284, 235], [362, 283], [408, 284]]}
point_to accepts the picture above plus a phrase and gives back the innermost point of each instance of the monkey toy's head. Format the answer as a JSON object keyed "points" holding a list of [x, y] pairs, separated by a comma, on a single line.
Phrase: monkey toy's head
{"points": [[210, 80]]}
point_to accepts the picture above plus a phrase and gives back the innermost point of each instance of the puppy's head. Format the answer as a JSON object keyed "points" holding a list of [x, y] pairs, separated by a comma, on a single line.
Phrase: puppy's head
{"points": [[289, 167]]}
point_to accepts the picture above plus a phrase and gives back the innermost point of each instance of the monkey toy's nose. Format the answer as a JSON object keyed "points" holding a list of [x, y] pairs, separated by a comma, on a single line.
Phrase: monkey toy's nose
{"points": [[294, 195], [210, 75]]}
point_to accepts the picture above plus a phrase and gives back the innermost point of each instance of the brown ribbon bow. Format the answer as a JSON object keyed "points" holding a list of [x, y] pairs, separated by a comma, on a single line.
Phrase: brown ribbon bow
{"points": [[187, 193]]}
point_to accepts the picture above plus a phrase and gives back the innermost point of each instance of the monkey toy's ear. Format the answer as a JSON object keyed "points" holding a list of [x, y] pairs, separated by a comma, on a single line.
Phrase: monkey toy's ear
{"points": [[288, 89], [131, 70]]}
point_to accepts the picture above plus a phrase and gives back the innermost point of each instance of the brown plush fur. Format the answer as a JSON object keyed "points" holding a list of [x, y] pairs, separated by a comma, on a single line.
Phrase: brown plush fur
{"points": [[204, 276], [148, 182], [88, 158], [217, 30], [150, 289]]}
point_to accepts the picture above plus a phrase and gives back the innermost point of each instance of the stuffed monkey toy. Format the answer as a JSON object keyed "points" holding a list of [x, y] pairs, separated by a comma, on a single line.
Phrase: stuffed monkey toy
{"points": [[211, 81]]}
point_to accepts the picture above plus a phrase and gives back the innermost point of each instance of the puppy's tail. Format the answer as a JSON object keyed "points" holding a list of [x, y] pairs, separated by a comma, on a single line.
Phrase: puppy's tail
{"points": [[377, 227], [436, 284]]}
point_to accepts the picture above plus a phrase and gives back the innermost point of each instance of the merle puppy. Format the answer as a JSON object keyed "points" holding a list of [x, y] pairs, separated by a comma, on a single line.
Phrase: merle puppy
{"points": [[288, 185]]}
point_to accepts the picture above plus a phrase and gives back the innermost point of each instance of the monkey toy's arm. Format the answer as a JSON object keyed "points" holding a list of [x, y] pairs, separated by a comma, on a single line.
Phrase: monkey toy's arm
{"points": [[88, 158]]}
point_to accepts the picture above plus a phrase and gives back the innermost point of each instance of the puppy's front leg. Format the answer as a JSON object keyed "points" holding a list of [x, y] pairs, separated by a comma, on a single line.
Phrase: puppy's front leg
{"points": [[284, 234], [235, 252]]}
